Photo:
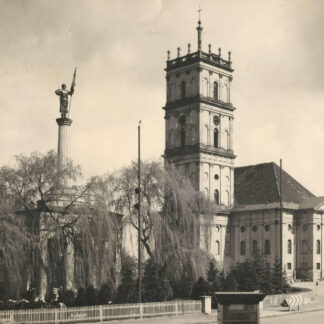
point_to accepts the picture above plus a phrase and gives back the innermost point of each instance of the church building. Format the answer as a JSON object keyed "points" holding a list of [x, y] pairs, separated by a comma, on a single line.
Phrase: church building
{"points": [[258, 206]]}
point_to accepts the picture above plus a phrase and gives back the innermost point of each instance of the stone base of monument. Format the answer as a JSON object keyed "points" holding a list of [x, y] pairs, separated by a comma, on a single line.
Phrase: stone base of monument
{"points": [[239, 307]]}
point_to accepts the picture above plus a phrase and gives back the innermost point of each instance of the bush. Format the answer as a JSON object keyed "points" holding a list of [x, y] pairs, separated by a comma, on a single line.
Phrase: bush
{"points": [[106, 294], [67, 297], [200, 288], [127, 292], [156, 286], [81, 299]]}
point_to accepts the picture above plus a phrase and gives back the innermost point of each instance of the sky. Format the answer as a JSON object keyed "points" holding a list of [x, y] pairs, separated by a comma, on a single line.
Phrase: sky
{"points": [[119, 48]]}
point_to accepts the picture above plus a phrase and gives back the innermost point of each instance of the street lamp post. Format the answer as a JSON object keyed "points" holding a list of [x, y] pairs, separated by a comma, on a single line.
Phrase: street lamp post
{"points": [[139, 216]]}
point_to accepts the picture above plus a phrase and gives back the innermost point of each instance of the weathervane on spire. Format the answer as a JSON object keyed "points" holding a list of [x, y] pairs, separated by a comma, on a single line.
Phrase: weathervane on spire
{"points": [[199, 29], [199, 10]]}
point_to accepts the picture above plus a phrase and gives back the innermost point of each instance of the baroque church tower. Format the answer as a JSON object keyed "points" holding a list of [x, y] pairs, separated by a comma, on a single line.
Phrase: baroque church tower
{"points": [[199, 121], [199, 135]]}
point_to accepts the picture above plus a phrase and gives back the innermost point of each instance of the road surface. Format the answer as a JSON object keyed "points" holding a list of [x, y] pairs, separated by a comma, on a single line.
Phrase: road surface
{"points": [[316, 317]]}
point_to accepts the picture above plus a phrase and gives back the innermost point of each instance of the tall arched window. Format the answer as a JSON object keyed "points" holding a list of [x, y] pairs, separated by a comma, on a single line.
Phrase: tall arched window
{"points": [[242, 248], [254, 246], [183, 89], [289, 247], [217, 248], [318, 247], [183, 137], [215, 90], [304, 246], [267, 247], [216, 197], [215, 137], [207, 193]]}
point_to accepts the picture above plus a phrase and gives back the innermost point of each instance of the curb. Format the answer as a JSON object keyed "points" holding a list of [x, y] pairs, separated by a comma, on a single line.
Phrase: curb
{"points": [[291, 313]]}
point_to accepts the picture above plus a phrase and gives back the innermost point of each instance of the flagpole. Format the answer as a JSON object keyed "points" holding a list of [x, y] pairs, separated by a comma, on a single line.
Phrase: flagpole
{"points": [[139, 217], [72, 86]]}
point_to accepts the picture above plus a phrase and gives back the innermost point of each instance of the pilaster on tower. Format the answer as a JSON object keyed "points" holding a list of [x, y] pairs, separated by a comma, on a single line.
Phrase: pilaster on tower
{"points": [[199, 120]]}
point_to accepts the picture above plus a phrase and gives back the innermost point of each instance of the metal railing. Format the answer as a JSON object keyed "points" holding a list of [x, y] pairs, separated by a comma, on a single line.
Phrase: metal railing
{"points": [[99, 313]]}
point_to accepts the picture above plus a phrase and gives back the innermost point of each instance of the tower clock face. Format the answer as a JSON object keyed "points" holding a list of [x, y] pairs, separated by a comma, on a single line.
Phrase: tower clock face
{"points": [[216, 120]]}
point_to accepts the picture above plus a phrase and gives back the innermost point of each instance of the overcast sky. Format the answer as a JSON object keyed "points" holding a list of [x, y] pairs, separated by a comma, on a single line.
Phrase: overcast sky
{"points": [[120, 49]]}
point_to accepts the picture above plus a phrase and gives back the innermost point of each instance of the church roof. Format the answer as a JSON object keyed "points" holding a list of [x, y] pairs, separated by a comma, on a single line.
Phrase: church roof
{"points": [[312, 203], [260, 184]]}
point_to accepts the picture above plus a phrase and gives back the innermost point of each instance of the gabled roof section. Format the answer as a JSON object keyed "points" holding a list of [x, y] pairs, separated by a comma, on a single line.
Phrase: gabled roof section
{"points": [[260, 184], [312, 203]]}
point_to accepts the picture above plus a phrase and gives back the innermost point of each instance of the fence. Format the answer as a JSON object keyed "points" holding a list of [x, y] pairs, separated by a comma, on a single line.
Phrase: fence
{"points": [[99, 313]]}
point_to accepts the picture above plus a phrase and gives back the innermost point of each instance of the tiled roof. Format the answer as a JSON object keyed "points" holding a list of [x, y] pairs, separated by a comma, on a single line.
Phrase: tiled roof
{"points": [[260, 184], [311, 203]]}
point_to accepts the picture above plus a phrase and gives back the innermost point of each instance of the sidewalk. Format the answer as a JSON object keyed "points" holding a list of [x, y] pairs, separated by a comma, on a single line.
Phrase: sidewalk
{"points": [[316, 305], [199, 318]]}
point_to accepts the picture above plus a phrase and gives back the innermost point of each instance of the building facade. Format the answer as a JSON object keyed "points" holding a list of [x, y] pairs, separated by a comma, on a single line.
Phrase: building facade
{"points": [[252, 212]]}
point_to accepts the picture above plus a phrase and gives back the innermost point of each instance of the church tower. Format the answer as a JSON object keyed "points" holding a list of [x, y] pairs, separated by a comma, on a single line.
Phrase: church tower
{"points": [[199, 120]]}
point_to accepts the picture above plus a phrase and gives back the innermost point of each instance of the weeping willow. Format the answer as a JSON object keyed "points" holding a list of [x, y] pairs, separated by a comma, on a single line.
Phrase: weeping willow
{"points": [[171, 212], [16, 246], [34, 241], [177, 228]]}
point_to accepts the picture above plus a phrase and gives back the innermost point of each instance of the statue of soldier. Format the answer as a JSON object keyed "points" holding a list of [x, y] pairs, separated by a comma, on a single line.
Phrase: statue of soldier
{"points": [[64, 97]]}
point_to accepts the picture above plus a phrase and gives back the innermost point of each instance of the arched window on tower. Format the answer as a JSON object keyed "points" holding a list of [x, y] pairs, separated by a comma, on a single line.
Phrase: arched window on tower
{"points": [[215, 137], [289, 247], [215, 90], [217, 248], [216, 197], [318, 247], [183, 137], [267, 247], [242, 248], [183, 89]]}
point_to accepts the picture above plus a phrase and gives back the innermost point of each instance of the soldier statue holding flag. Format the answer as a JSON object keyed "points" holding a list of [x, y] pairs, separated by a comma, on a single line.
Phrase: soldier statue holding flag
{"points": [[64, 97]]}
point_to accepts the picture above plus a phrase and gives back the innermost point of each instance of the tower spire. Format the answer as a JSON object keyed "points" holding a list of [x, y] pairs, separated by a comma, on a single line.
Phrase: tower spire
{"points": [[199, 29]]}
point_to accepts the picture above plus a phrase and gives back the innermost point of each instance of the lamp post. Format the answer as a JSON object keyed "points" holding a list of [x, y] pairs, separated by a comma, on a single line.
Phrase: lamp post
{"points": [[138, 191], [281, 232]]}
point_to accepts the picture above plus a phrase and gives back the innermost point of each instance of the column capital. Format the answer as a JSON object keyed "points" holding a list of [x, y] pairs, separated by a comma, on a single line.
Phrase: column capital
{"points": [[64, 121]]}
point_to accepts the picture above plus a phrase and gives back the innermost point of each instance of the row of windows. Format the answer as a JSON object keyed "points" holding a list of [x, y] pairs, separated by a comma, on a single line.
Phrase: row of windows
{"points": [[255, 228], [204, 88], [305, 246], [215, 142], [267, 228], [216, 196], [289, 247], [267, 247], [305, 266], [255, 247]]}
